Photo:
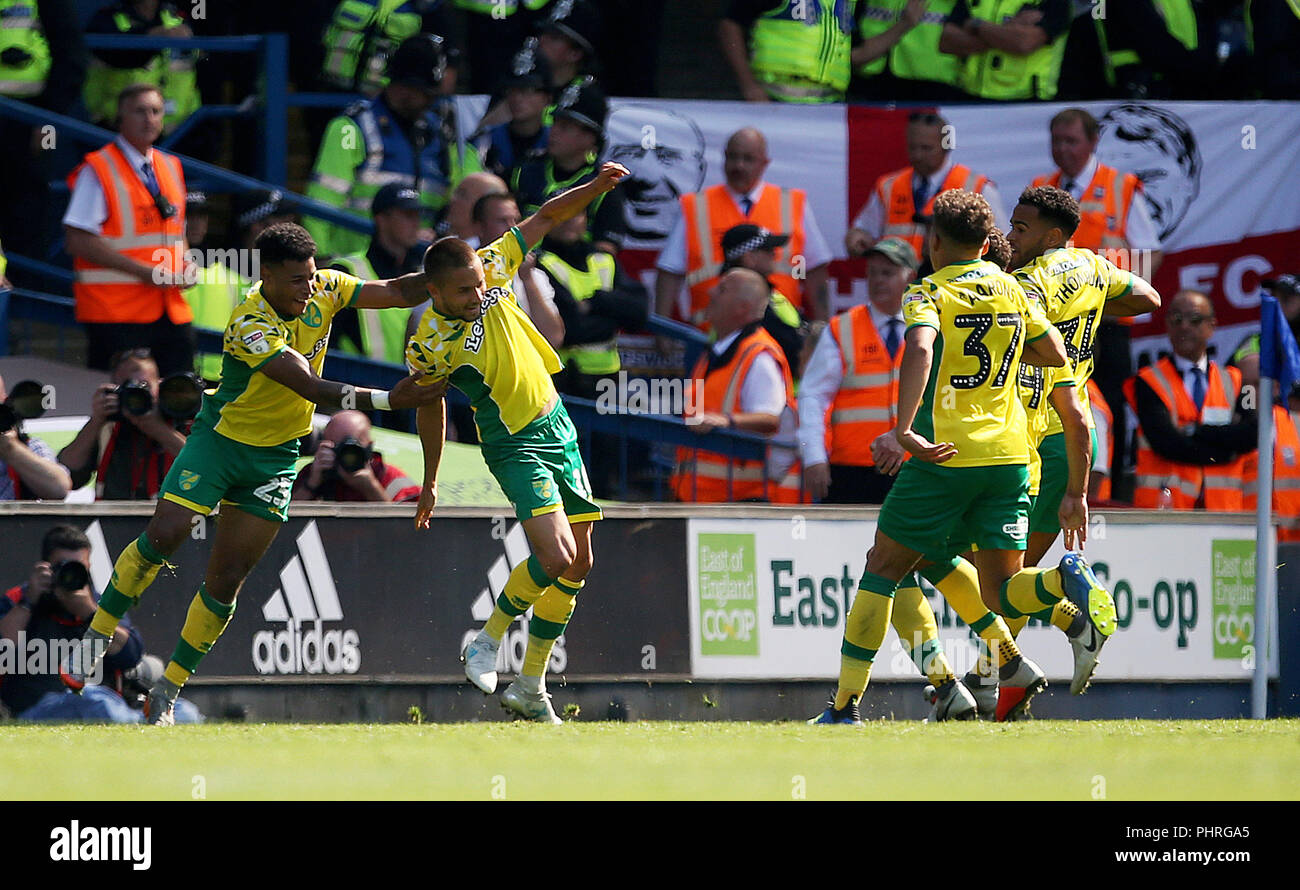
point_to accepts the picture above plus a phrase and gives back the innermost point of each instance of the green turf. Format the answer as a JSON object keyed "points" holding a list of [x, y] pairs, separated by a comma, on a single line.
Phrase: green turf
{"points": [[1120, 760]]}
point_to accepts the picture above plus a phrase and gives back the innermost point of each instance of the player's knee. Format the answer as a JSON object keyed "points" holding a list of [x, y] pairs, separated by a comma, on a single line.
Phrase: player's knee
{"points": [[580, 567], [556, 559], [990, 599]]}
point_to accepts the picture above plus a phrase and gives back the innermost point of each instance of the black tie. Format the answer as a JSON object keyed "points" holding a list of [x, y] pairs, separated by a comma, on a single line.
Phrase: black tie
{"points": [[892, 339], [920, 192], [150, 181], [746, 205], [1069, 186]]}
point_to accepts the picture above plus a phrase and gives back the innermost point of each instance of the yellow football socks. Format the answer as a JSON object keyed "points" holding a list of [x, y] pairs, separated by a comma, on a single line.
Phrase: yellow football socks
{"points": [[913, 619], [134, 571], [864, 631], [960, 585], [204, 622], [551, 614], [526, 583]]}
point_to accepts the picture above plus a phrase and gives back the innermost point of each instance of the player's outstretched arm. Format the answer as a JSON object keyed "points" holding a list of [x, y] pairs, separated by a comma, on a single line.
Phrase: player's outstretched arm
{"points": [[1143, 298], [1073, 512], [918, 356], [289, 369], [1047, 351], [406, 291], [566, 205], [431, 424]]}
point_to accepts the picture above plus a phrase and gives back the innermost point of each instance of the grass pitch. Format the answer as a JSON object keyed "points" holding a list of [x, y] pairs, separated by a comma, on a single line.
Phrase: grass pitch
{"points": [[1043, 760]]}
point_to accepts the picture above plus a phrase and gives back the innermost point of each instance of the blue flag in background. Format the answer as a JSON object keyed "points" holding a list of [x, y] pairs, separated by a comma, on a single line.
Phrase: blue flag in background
{"points": [[1279, 357]]}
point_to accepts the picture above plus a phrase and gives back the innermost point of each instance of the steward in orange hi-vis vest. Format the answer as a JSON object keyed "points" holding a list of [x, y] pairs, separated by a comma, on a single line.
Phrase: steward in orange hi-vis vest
{"points": [[1286, 476], [1219, 486], [894, 191], [864, 407], [706, 477], [709, 214], [1103, 208], [134, 228]]}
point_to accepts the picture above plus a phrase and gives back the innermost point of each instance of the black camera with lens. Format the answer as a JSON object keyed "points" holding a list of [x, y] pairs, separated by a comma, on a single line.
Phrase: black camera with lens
{"points": [[351, 456], [26, 401], [179, 398], [70, 576]]}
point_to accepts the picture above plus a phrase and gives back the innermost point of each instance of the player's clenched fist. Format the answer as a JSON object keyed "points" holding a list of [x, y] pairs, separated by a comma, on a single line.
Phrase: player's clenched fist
{"points": [[414, 391], [424, 509]]}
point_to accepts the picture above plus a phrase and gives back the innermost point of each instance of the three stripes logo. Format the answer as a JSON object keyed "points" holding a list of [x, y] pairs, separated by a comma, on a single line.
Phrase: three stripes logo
{"points": [[305, 601], [510, 657]]}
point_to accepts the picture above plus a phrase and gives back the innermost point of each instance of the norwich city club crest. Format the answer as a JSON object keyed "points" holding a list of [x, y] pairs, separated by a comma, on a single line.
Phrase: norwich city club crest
{"points": [[543, 488], [189, 479], [312, 316]]}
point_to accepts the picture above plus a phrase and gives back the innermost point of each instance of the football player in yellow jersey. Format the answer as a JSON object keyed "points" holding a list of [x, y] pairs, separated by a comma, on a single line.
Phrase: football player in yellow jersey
{"points": [[475, 336], [243, 448], [1076, 288], [960, 417]]}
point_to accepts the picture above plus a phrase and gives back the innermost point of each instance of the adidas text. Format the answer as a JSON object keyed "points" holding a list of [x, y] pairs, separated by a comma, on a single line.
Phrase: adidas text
{"points": [[312, 651], [91, 844]]}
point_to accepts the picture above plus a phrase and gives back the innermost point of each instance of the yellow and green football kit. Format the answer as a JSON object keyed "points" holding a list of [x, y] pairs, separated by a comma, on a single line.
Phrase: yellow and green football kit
{"points": [[244, 445], [504, 365], [1073, 285]]}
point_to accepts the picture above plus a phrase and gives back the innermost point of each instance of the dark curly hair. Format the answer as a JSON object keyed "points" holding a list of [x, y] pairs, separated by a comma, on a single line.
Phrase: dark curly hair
{"points": [[999, 252], [963, 217], [1054, 205], [284, 242]]}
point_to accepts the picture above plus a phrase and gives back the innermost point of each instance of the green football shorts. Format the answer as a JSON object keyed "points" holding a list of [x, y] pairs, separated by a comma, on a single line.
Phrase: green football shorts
{"points": [[540, 469], [932, 507], [213, 469], [1045, 514]]}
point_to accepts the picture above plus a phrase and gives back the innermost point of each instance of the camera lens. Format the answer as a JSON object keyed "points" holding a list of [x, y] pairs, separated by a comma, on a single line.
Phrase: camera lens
{"points": [[180, 396], [70, 575], [350, 455], [135, 398]]}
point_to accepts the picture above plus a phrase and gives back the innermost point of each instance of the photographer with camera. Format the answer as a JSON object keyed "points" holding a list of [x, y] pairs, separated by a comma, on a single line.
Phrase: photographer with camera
{"points": [[56, 605], [28, 468], [137, 425], [347, 467]]}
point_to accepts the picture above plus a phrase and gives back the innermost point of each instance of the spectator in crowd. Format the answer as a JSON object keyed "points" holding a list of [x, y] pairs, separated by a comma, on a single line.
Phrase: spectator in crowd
{"points": [[595, 299], [28, 468], [748, 246], [1010, 50], [1114, 219], [797, 52], [1103, 421], [458, 216], [1272, 35], [1195, 423], [128, 450], [852, 383], [363, 34], [572, 157], [42, 62], [125, 295], [400, 136], [567, 39], [693, 255], [347, 467], [1286, 288], [1286, 449], [742, 382], [896, 54], [55, 606], [216, 289], [395, 250], [527, 96], [494, 30], [113, 70], [902, 202]]}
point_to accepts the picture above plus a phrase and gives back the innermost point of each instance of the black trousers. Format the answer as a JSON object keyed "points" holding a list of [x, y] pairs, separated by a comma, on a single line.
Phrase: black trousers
{"points": [[857, 485], [172, 345], [1114, 365]]}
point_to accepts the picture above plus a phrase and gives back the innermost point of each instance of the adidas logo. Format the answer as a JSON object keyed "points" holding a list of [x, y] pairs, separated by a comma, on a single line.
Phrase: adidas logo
{"points": [[305, 600], [510, 656]]}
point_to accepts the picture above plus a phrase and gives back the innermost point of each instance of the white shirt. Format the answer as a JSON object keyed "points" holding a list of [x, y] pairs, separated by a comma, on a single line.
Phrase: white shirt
{"points": [[872, 217], [763, 389], [672, 258], [1187, 369], [88, 208], [1101, 460], [821, 381], [1140, 229]]}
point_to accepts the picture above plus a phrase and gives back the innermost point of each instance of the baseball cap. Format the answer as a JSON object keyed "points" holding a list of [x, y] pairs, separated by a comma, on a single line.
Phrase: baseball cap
{"points": [[1288, 282], [577, 21], [740, 240], [897, 251], [584, 102], [395, 196], [419, 61], [528, 69]]}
